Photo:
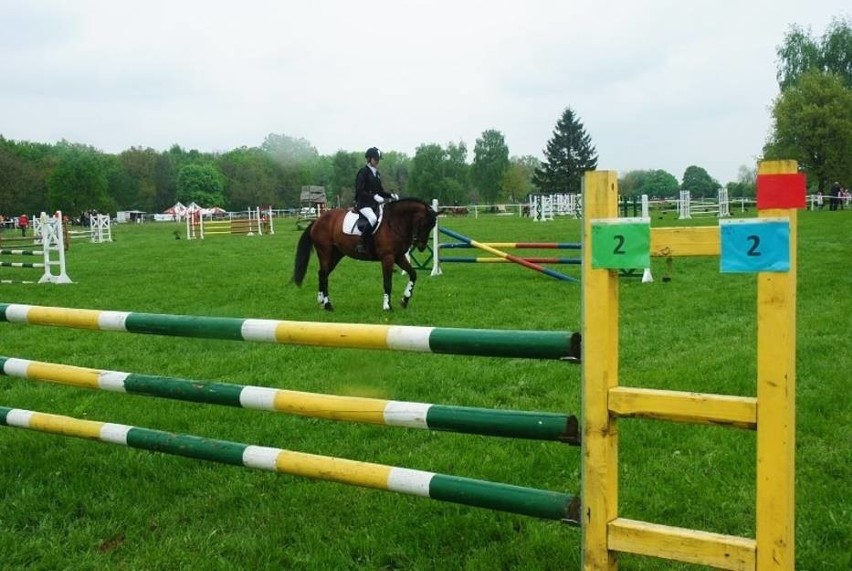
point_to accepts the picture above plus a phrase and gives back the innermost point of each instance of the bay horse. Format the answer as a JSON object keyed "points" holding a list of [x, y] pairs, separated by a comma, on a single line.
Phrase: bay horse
{"points": [[405, 223]]}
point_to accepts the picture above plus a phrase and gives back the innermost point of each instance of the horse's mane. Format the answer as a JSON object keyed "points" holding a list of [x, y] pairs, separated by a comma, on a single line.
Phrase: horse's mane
{"points": [[413, 199], [410, 200]]}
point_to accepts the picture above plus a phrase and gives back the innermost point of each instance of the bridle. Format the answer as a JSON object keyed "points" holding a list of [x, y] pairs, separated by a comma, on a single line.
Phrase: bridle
{"points": [[415, 228]]}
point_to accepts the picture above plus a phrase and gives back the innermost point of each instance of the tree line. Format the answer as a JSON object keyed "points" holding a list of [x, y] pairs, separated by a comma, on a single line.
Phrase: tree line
{"points": [[73, 177]]}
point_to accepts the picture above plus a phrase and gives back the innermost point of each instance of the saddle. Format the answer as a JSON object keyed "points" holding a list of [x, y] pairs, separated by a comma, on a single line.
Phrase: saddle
{"points": [[354, 222]]}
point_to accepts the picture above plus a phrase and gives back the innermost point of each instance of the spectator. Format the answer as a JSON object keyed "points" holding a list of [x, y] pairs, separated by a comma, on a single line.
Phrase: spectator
{"points": [[23, 224], [834, 198]]}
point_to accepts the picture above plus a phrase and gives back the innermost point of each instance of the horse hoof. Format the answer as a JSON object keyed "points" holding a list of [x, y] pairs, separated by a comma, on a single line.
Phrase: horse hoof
{"points": [[404, 303], [328, 306]]}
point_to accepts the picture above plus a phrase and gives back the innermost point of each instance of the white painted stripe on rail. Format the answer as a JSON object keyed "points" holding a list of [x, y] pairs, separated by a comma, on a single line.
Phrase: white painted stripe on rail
{"points": [[115, 433], [409, 414], [259, 330], [17, 313], [260, 398], [113, 320], [261, 458], [409, 338], [20, 418], [112, 381], [16, 367], [414, 482]]}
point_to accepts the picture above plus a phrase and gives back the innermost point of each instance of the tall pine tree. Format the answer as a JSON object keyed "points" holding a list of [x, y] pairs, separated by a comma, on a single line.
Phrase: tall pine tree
{"points": [[568, 155]]}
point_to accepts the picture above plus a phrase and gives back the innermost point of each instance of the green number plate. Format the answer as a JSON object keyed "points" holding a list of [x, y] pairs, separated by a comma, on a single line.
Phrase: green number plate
{"points": [[621, 243]]}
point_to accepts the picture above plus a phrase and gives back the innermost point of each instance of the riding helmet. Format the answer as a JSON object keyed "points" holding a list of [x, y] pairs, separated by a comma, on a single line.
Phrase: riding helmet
{"points": [[373, 153]]}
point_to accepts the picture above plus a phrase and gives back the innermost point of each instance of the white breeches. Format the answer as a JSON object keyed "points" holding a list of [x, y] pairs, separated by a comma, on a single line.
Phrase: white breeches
{"points": [[369, 215]]}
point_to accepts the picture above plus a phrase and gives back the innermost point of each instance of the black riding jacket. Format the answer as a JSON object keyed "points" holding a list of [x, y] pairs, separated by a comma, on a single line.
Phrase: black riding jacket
{"points": [[367, 185]]}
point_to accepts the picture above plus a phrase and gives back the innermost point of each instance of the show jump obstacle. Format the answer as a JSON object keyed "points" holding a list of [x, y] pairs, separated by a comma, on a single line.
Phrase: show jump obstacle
{"points": [[497, 251], [247, 223], [47, 243], [766, 245], [501, 343]]}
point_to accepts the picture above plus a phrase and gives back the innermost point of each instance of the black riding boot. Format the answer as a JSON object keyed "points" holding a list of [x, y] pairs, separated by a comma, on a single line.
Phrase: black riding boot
{"points": [[365, 244]]}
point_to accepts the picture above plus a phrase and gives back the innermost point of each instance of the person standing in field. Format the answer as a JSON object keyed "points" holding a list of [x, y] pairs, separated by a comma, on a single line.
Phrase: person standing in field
{"points": [[23, 223]]}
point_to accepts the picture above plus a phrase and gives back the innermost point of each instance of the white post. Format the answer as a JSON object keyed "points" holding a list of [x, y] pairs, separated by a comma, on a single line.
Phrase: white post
{"points": [[683, 206], [271, 224], [646, 213], [436, 246], [547, 208], [724, 206], [62, 278], [37, 223], [53, 240], [41, 230]]}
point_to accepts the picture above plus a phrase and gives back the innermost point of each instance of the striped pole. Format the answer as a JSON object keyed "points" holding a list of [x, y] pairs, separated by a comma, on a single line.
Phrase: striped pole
{"points": [[558, 345], [479, 493], [517, 245], [4, 252], [488, 260], [21, 265], [510, 257], [483, 421]]}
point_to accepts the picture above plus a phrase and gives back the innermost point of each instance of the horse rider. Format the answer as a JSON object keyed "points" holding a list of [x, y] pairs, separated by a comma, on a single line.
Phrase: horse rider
{"points": [[368, 195]]}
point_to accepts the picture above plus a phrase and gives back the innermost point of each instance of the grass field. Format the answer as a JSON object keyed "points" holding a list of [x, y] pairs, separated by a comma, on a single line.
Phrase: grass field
{"points": [[77, 505]]}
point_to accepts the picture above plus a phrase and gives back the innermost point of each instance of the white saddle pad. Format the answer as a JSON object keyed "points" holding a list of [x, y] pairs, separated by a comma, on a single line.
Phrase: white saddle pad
{"points": [[351, 218]]}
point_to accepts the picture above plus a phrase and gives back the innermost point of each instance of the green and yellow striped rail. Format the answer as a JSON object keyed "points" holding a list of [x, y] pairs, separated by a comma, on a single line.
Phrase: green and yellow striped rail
{"points": [[514, 499], [482, 342], [483, 421]]}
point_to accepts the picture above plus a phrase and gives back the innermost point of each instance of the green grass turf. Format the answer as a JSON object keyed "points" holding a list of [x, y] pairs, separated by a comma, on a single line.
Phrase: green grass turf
{"points": [[72, 504]]}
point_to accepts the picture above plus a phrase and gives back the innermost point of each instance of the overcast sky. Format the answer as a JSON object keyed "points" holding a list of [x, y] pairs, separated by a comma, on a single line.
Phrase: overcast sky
{"points": [[657, 84]]}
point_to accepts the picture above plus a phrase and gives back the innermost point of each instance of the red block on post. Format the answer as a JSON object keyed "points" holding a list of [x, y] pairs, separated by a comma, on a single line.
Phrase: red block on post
{"points": [[781, 191]]}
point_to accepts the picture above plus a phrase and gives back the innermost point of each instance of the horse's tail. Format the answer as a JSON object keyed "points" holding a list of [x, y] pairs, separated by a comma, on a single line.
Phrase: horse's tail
{"points": [[303, 255]]}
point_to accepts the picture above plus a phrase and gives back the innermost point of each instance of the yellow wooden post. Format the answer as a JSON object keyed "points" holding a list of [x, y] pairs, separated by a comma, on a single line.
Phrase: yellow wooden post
{"points": [[600, 373], [776, 394]]}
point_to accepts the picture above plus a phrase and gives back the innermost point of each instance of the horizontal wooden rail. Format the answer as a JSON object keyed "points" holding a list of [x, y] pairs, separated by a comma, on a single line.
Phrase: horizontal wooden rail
{"points": [[685, 241], [695, 408], [686, 545]]}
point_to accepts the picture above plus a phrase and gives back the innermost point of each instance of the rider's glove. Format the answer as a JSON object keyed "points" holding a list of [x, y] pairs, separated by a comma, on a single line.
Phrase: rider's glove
{"points": [[378, 198]]}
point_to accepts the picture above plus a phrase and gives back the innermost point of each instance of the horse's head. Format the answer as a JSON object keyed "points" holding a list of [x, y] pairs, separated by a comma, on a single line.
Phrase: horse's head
{"points": [[421, 226], [421, 220]]}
